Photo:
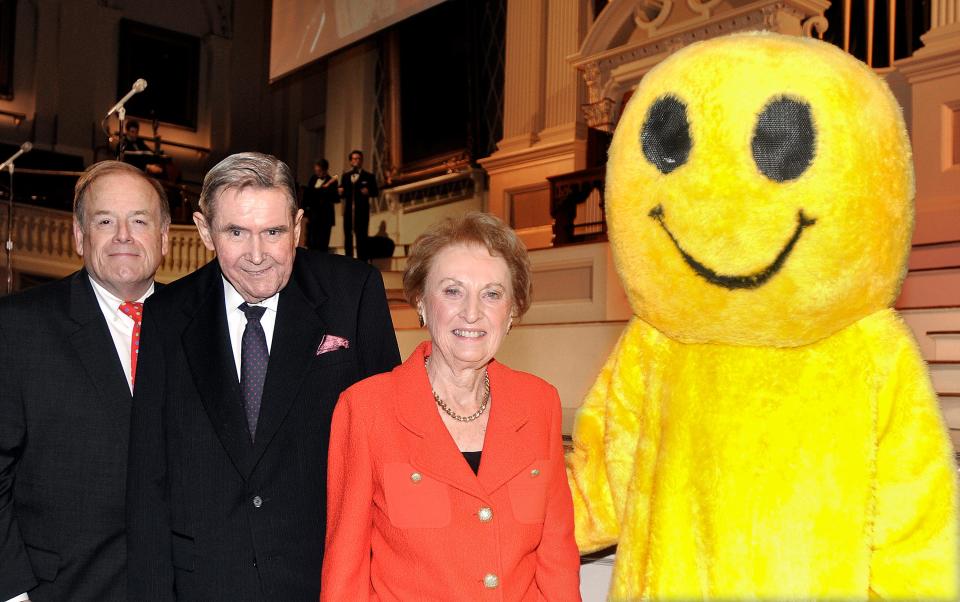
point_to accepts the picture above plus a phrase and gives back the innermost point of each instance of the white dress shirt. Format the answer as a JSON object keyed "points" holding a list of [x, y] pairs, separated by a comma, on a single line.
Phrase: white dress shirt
{"points": [[120, 326], [237, 320]]}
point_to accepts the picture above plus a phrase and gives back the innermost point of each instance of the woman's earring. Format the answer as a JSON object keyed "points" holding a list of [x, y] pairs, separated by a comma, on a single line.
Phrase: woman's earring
{"points": [[420, 317], [509, 325]]}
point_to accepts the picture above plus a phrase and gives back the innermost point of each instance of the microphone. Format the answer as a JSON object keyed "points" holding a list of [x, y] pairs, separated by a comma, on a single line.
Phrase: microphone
{"points": [[26, 147], [138, 86]]}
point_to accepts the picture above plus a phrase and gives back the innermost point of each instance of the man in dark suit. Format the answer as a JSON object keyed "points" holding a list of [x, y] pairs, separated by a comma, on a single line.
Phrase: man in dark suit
{"points": [[357, 187], [243, 362], [68, 352], [319, 197]]}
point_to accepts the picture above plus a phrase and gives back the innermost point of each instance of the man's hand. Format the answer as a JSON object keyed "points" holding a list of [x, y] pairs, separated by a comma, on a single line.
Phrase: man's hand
{"points": [[364, 191]]}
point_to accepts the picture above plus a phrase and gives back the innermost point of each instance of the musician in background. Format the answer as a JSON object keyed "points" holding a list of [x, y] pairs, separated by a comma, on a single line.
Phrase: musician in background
{"points": [[136, 151], [319, 196]]}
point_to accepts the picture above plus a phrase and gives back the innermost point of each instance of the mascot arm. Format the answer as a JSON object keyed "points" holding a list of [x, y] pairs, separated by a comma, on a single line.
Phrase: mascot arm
{"points": [[915, 527], [605, 437]]}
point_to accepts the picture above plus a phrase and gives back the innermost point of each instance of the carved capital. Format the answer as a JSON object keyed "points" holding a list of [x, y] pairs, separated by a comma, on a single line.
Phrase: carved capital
{"points": [[599, 114], [595, 78]]}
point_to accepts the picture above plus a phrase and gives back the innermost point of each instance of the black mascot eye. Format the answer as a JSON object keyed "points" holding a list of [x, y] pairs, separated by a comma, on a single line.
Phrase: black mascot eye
{"points": [[784, 140], [665, 136]]}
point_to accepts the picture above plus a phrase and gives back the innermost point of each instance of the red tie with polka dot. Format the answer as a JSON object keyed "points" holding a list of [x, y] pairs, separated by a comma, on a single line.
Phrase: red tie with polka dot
{"points": [[134, 311], [254, 357]]}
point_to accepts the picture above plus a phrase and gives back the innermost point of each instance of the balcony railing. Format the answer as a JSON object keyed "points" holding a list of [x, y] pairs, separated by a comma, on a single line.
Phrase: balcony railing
{"points": [[54, 189], [438, 190], [43, 245], [577, 208]]}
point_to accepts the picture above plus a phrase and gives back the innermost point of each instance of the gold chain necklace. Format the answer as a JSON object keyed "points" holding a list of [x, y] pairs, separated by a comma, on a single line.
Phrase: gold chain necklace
{"points": [[451, 413]]}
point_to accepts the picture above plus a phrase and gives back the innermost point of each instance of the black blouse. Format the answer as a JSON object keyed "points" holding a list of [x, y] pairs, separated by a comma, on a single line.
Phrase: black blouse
{"points": [[473, 459]]}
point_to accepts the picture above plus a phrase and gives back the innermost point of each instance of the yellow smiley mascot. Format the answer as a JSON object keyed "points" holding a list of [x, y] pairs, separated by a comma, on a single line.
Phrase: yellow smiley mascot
{"points": [[765, 428]]}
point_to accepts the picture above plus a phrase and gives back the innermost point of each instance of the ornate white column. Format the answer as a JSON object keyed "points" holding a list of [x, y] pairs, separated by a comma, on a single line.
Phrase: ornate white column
{"points": [[934, 76], [566, 25], [944, 26], [524, 73]]}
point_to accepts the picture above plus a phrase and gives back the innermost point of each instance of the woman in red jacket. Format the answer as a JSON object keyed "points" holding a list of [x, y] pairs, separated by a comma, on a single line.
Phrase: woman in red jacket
{"points": [[446, 478]]}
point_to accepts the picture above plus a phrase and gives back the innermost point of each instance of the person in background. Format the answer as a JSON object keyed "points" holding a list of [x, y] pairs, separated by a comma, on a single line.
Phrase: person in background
{"points": [[357, 187], [446, 478], [68, 352], [242, 363], [319, 197], [136, 152]]}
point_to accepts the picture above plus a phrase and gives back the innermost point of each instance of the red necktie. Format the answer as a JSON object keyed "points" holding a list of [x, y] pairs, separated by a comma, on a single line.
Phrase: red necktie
{"points": [[135, 311]]}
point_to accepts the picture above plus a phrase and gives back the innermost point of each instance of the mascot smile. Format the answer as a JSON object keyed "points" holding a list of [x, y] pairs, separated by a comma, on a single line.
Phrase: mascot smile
{"points": [[765, 427]]}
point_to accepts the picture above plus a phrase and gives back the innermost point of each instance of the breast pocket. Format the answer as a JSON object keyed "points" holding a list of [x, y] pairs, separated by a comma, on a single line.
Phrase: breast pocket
{"points": [[528, 492], [415, 500]]}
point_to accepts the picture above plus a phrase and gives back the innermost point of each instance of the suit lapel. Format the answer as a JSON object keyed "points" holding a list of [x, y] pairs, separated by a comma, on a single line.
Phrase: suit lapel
{"points": [[434, 453], [206, 344], [93, 343], [505, 452], [296, 335]]}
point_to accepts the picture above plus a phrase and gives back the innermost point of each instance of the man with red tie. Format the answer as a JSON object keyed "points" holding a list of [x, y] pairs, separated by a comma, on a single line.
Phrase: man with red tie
{"points": [[68, 361]]}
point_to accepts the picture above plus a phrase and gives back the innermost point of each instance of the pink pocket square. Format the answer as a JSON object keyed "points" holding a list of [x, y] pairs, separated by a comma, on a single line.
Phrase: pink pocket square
{"points": [[331, 342]]}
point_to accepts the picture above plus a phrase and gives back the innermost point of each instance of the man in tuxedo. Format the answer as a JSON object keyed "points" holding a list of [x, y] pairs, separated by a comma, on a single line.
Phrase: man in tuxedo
{"points": [[68, 352], [319, 197], [357, 187], [243, 362]]}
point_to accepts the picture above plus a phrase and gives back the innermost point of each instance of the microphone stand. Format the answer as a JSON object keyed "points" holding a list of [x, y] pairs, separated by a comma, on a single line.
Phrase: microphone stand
{"points": [[122, 140], [9, 244]]}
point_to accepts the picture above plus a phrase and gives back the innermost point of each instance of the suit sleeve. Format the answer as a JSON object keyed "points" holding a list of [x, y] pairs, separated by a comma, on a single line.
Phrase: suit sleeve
{"points": [[376, 340], [16, 573], [346, 564], [915, 527], [149, 561], [374, 189], [558, 562]]}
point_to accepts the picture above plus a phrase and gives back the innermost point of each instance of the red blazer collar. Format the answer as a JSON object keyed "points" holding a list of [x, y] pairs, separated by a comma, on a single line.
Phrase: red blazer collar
{"points": [[504, 451]]}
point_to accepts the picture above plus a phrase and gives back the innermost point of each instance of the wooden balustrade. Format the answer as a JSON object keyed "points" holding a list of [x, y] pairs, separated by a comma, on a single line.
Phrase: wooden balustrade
{"points": [[577, 207], [43, 245]]}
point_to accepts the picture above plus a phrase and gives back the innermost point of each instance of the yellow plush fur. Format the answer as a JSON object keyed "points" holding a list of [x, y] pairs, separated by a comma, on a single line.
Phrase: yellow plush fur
{"points": [[781, 441]]}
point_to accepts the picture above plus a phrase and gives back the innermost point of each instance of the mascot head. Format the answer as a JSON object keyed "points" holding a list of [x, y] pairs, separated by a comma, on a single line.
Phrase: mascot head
{"points": [[759, 192]]}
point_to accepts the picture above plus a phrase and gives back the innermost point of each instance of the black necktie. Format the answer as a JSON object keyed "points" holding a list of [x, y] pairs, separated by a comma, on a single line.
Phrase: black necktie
{"points": [[253, 364]]}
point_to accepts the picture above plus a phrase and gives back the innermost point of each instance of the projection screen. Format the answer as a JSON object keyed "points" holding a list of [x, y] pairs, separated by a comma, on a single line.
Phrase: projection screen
{"points": [[305, 30]]}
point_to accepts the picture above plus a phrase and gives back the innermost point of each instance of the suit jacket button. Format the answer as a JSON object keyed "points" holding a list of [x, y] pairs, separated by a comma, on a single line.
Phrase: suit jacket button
{"points": [[416, 477], [490, 581], [257, 501], [485, 515]]}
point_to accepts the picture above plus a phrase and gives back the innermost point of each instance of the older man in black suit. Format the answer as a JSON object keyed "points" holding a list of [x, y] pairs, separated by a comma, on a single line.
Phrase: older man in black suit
{"points": [[243, 362], [68, 359]]}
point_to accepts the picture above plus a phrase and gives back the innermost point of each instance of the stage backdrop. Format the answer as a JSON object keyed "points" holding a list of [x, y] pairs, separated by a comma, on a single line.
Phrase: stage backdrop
{"points": [[305, 30]]}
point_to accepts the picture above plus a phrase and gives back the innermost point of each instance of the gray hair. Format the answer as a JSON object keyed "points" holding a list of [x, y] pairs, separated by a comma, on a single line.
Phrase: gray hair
{"points": [[241, 170], [106, 168]]}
